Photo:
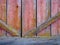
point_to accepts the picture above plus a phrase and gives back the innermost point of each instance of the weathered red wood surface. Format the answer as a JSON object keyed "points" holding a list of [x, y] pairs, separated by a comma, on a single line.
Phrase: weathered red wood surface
{"points": [[59, 11], [2, 14], [55, 8], [11, 12], [28, 15], [42, 15], [14, 14]]}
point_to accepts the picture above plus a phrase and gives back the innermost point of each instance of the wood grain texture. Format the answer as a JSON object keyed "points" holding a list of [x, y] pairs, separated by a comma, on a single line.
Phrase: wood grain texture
{"points": [[42, 15], [14, 13], [8, 29], [44, 25], [28, 15], [2, 14], [54, 11], [59, 19], [11, 14]]}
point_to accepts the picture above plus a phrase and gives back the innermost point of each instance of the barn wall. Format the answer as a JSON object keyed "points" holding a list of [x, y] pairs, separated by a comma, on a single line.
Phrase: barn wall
{"points": [[24, 15]]}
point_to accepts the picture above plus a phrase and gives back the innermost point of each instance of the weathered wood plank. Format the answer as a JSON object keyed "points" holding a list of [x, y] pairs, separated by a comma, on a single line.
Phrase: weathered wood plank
{"points": [[59, 19], [14, 13], [2, 14], [54, 11], [43, 15], [28, 15]]}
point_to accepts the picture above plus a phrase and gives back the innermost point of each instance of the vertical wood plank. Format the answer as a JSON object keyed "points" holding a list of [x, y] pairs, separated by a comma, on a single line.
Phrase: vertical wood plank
{"points": [[14, 13], [2, 14], [28, 15], [59, 19], [42, 16], [54, 11]]}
